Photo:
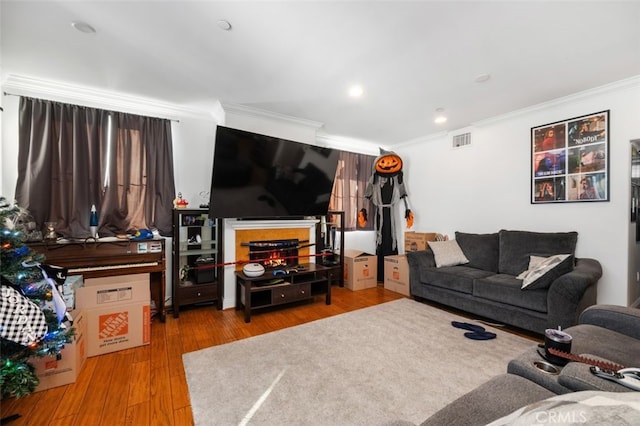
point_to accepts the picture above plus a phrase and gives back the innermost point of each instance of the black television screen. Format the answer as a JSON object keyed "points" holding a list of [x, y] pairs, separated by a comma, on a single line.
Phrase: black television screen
{"points": [[259, 176]]}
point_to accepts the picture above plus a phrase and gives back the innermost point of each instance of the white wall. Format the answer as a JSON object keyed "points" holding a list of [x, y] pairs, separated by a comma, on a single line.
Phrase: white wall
{"points": [[485, 187]]}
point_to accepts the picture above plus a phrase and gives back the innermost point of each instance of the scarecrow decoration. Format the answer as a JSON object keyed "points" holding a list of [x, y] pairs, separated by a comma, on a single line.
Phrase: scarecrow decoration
{"points": [[385, 189]]}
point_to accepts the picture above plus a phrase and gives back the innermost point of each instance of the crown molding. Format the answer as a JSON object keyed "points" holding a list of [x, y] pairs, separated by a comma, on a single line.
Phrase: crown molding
{"points": [[347, 144], [97, 98], [422, 139], [626, 84], [244, 110]]}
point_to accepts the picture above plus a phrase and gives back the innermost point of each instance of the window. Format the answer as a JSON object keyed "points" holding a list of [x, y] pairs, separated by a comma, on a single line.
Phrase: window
{"points": [[71, 157]]}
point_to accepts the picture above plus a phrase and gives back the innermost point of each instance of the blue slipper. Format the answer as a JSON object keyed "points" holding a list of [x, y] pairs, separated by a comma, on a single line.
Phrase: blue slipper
{"points": [[466, 326], [484, 335]]}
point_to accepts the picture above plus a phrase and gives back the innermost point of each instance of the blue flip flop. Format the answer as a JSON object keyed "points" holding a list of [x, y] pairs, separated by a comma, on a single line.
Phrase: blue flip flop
{"points": [[466, 326], [483, 335]]}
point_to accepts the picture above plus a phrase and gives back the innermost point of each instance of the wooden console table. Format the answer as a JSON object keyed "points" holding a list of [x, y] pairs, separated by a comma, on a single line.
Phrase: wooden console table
{"points": [[273, 289]]}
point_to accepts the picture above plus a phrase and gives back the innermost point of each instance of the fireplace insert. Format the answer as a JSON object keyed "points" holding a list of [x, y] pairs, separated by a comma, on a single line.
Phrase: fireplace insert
{"points": [[274, 253]]}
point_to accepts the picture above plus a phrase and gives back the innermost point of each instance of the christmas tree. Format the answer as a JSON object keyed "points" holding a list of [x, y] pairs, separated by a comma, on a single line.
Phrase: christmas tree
{"points": [[32, 313]]}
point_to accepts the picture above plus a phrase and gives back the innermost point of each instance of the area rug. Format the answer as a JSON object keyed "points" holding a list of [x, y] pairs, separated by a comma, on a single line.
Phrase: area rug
{"points": [[401, 360]]}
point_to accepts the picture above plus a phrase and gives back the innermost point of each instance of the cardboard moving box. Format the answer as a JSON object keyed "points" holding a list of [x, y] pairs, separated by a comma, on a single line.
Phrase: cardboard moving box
{"points": [[118, 312], [53, 371], [359, 270], [414, 241], [118, 327], [396, 274], [99, 292]]}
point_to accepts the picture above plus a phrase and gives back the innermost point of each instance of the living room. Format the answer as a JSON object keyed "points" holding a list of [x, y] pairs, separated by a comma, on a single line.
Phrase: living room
{"points": [[479, 188], [448, 188]]}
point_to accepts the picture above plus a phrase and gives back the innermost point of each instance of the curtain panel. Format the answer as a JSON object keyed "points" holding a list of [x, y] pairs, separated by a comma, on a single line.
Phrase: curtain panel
{"points": [[350, 183], [70, 157]]}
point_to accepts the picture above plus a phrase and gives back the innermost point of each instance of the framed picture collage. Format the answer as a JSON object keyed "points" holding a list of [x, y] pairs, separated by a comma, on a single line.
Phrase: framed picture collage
{"points": [[569, 160]]}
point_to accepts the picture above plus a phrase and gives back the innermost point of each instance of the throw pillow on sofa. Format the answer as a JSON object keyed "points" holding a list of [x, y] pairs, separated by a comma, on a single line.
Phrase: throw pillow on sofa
{"points": [[447, 253], [482, 250], [516, 247], [544, 270]]}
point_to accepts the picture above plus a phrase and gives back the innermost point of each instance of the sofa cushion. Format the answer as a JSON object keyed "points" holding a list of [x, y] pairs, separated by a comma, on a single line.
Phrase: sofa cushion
{"points": [[457, 278], [604, 343], [578, 377], [544, 270], [507, 289], [480, 249], [516, 248], [493, 399], [447, 253]]}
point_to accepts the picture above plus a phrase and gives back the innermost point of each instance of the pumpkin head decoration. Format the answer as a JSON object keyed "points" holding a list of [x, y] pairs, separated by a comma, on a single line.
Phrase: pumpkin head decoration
{"points": [[389, 163], [387, 169]]}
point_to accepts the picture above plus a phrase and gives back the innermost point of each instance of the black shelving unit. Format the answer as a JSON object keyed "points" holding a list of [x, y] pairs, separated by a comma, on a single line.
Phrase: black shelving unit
{"points": [[197, 259]]}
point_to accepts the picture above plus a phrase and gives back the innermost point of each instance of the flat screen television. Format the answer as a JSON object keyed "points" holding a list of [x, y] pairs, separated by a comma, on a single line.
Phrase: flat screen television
{"points": [[259, 176]]}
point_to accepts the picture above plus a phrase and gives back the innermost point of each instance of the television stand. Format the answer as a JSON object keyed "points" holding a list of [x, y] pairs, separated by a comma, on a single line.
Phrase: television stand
{"points": [[274, 289]]}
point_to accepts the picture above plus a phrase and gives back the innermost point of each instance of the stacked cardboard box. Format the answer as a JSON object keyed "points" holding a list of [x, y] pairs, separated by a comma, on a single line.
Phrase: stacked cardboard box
{"points": [[414, 241], [64, 368], [118, 312]]}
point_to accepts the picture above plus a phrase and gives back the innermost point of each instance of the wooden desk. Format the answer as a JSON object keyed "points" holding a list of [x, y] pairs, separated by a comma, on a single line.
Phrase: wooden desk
{"points": [[94, 259]]}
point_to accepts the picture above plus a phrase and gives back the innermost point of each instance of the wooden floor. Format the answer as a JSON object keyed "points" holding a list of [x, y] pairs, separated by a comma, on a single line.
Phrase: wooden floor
{"points": [[147, 385]]}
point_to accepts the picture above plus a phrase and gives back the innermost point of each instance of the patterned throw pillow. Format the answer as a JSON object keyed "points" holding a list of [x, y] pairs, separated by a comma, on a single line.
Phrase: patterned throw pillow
{"points": [[544, 270], [21, 320], [447, 253]]}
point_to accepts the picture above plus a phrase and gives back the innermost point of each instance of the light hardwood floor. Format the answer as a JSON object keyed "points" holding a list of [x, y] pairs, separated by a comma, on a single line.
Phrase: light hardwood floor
{"points": [[147, 385]]}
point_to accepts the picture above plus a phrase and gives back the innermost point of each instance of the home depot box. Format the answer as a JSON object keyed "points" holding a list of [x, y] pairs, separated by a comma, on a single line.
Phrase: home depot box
{"points": [[359, 270], [118, 312], [64, 368], [116, 327], [396, 274], [414, 241]]}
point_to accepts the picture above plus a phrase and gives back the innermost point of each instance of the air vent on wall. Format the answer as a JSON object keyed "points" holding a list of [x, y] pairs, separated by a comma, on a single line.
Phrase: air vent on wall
{"points": [[461, 140]]}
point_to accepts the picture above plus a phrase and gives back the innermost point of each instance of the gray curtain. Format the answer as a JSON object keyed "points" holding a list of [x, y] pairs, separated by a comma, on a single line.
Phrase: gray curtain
{"points": [[71, 157], [350, 183]]}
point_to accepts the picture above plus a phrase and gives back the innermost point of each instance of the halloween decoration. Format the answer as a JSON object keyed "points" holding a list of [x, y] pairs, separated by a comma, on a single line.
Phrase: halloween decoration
{"points": [[385, 189]]}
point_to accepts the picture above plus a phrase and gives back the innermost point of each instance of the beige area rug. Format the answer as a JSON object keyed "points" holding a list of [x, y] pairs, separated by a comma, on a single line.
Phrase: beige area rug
{"points": [[401, 360]]}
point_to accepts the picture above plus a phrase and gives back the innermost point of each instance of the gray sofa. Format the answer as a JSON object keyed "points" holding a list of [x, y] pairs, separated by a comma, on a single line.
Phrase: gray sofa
{"points": [[487, 285], [527, 395]]}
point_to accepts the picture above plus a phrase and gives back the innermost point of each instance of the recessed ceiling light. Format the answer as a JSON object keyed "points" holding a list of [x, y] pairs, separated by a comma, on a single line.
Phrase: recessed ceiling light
{"points": [[356, 91], [83, 27], [481, 78], [440, 117], [223, 24]]}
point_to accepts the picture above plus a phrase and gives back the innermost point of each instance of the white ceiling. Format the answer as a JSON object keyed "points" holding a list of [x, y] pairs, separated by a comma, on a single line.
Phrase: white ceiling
{"points": [[299, 58]]}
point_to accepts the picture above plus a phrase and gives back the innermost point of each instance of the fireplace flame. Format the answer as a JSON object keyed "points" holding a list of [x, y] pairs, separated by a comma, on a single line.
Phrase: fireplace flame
{"points": [[274, 253], [275, 260]]}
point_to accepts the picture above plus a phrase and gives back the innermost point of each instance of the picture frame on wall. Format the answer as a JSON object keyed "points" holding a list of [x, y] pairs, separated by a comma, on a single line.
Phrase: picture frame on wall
{"points": [[570, 160]]}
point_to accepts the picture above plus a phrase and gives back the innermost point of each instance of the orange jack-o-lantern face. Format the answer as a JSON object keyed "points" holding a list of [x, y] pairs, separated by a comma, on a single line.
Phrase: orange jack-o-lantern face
{"points": [[389, 164]]}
